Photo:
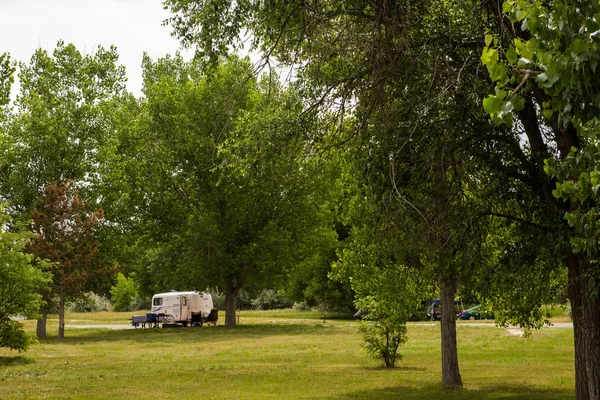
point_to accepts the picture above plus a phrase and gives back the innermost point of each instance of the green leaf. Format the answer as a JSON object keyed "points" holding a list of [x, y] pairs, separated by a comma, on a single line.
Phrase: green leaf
{"points": [[491, 104], [488, 55], [579, 46], [511, 55], [541, 77], [498, 72], [500, 94], [524, 62], [488, 39], [507, 118], [518, 102]]}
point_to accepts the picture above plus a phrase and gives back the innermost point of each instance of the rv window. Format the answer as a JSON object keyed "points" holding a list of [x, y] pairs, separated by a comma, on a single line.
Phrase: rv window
{"points": [[157, 301]]}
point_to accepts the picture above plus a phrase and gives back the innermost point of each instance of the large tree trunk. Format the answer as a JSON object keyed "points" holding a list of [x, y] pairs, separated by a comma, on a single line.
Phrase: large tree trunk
{"points": [[585, 305], [450, 372], [585, 311], [40, 328], [231, 292]]}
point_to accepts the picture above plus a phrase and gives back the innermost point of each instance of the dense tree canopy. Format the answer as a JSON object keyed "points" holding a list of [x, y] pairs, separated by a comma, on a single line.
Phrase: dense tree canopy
{"points": [[213, 185], [59, 128], [410, 71], [544, 73], [60, 122]]}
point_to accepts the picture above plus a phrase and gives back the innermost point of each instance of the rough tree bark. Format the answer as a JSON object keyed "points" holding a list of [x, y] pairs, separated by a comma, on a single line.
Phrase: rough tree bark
{"points": [[61, 313], [231, 291], [582, 288], [585, 311], [40, 328], [450, 371]]}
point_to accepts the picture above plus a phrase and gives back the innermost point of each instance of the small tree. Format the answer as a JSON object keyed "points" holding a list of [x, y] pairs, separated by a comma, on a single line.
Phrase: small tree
{"points": [[19, 286], [123, 293], [65, 237], [383, 333]]}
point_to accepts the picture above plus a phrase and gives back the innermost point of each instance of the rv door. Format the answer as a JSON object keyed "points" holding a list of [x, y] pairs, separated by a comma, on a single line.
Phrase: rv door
{"points": [[183, 308]]}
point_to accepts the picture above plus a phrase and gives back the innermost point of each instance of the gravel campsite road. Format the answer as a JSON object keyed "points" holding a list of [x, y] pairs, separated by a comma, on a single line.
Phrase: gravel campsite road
{"points": [[100, 326], [511, 328]]}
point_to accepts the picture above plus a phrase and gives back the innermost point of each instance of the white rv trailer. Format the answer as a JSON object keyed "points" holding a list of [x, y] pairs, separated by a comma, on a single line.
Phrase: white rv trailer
{"points": [[184, 307]]}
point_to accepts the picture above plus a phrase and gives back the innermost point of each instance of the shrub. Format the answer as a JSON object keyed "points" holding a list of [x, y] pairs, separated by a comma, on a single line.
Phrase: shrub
{"points": [[270, 299], [13, 336], [141, 303], [90, 302], [243, 301], [302, 306], [123, 293], [382, 338], [383, 330]]}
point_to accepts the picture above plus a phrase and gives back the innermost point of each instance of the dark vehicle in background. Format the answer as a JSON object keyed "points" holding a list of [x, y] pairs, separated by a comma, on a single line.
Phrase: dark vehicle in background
{"points": [[475, 313], [434, 311]]}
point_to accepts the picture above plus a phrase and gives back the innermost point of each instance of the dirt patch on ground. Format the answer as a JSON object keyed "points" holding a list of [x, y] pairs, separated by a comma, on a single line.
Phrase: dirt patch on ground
{"points": [[283, 321], [515, 331]]}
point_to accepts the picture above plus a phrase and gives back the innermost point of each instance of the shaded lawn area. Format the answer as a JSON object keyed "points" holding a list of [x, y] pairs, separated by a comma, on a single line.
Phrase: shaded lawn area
{"points": [[284, 361]]}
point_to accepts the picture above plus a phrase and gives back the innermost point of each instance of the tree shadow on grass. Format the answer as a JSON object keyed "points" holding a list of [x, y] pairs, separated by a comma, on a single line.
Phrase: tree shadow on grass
{"points": [[397, 367], [434, 391], [17, 360], [205, 334]]}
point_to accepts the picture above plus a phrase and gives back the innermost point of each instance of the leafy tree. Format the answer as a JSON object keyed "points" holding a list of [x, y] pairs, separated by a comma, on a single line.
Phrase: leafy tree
{"points": [[383, 334], [311, 280], [215, 204], [371, 61], [61, 126], [61, 121], [123, 293], [7, 70], [544, 68], [65, 236], [20, 283], [408, 74]]}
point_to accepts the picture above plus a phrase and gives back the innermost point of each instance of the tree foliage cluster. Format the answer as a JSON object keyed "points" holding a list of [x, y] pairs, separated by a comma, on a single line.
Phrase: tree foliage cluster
{"points": [[195, 184], [434, 167], [420, 148], [21, 282]]}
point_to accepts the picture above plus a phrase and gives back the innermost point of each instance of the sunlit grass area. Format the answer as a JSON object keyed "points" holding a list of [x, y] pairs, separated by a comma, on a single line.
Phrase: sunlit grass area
{"points": [[268, 357]]}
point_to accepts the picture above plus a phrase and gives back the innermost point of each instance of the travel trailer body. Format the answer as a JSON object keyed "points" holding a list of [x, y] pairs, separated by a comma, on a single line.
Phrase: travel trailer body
{"points": [[183, 308]]}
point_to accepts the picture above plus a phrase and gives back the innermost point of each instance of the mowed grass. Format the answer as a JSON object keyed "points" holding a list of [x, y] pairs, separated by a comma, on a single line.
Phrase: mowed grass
{"points": [[281, 355]]}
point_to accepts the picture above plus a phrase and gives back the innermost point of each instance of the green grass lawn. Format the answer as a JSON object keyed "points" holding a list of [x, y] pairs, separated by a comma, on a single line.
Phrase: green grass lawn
{"points": [[281, 355]]}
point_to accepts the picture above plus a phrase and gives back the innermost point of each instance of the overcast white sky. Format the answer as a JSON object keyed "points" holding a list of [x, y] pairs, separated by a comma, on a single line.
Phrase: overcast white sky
{"points": [[134, 26]]}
